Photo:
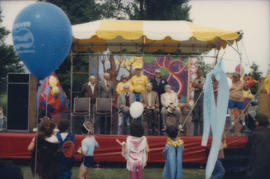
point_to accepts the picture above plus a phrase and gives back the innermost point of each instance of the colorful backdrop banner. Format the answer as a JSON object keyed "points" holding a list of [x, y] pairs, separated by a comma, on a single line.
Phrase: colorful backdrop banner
{"points": [[178, 70], [174, 69]]}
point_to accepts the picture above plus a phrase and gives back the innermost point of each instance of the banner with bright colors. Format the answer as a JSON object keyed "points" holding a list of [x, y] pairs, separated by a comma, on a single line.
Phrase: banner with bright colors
{"points": [[175, 69]]}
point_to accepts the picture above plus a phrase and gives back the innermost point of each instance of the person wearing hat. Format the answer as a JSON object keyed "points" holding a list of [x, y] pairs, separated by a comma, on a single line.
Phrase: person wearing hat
{"points": [[120, 85], [88, 146], [158, 83], [139, 82], [236, 101], [259, 147]]}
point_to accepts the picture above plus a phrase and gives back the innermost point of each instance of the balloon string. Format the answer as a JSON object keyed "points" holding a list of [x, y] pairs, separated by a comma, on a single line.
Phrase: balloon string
{"points": [[36, 146], [46, 113]]}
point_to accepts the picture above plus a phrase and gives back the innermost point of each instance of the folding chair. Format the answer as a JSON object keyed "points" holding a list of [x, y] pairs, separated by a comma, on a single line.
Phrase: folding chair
{"points": [[104, 109], [81, 107]]}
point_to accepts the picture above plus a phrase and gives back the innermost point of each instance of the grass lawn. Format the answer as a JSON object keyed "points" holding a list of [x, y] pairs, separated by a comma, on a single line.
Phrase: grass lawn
{"points": [[119, 173]]}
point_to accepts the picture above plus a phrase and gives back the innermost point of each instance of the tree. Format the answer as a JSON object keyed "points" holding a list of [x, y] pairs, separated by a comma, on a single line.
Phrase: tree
{"points": [[205, 67], [159, 10], [79, 11], [9, 61], [256, 74], [89, 10]]}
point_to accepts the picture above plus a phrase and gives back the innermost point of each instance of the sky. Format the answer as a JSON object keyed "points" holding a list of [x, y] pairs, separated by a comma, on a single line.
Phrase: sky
{"points": [[250, 16]]}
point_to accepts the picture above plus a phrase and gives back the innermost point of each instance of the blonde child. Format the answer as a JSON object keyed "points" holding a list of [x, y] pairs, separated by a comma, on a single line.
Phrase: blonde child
{"points": [[88, 146], [135, 150]]}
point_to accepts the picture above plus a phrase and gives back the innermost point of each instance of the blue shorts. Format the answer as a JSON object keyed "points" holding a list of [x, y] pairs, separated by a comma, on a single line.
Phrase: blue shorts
{"points": [[236, 104], [88, 161]]}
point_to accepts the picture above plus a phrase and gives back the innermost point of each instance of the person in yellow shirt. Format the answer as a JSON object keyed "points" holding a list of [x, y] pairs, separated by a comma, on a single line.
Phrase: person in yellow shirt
{"points": [[139, 82], [120, 85]]}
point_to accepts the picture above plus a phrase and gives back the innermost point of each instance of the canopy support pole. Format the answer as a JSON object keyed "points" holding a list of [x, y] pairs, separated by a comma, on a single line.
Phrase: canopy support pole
{"points": [[231, 45], [240, 54]]}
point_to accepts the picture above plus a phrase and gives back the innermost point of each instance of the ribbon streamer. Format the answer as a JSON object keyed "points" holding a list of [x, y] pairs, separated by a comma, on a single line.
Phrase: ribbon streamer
{"points": [[214, 114]]}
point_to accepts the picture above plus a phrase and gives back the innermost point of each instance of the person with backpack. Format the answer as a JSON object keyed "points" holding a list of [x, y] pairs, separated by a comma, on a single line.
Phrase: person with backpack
{"points": [[67, 149], [87, 148]]}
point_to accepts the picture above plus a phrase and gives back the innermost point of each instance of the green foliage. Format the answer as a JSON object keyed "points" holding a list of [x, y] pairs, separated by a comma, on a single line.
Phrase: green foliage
{"points": [[159, 10], [206, 68], [256, 74], [79, 11], [9, 61]]}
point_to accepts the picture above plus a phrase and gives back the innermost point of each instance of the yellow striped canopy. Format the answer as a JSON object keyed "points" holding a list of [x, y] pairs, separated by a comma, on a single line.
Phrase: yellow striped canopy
{"points": [[149, 36]]}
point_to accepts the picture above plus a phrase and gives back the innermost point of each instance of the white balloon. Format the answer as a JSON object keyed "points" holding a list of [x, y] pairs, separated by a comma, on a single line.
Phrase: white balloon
{"points": [[136, 109], [229, 82]]}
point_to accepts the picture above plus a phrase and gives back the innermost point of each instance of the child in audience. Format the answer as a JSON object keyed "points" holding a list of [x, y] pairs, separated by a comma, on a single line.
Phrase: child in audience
{"points": [[45, 147], [88, 146], [135, 150], [67, 147], [173, 154], [219, 170]]}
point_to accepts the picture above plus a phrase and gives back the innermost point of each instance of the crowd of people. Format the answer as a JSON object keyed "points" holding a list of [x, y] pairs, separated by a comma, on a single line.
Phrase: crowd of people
{"points": [[54, 146], [156, 95], [159, 101]]}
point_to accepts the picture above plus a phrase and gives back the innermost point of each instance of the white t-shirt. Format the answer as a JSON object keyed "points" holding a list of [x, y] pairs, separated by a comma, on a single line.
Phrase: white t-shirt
{"points": [[63, 135]]}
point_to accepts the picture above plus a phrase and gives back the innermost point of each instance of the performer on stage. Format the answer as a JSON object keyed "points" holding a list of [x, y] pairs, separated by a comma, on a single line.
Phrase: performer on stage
{"points": [[169, 101], [89, 89], [150, 101], [139, 81], [119, 87], [236, 101], [158, 83], [105, 90], [198, 110], [125, 100]]}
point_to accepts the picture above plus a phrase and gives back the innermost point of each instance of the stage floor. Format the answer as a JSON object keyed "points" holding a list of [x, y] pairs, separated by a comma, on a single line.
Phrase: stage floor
{"points": [[14, 146]]}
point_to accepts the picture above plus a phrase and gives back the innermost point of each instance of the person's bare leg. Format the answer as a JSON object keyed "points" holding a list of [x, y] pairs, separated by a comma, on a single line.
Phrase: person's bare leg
{"points": [[242, 117], [82, 172], [87, 173], [231, 112]]}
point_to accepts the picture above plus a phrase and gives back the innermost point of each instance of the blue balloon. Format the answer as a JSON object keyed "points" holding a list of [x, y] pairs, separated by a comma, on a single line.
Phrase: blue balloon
{"points": [[42, 37]]}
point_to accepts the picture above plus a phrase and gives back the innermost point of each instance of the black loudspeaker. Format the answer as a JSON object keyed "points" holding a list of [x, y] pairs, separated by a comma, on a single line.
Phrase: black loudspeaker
{"points": [[21, 102]]}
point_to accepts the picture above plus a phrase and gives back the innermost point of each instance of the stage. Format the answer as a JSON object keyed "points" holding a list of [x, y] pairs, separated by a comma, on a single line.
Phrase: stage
{"points": [[14, 146]]}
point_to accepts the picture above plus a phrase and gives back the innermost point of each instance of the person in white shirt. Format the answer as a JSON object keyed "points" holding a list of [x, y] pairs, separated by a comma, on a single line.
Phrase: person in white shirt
{"points": [[89, 89], [169, 101]]}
